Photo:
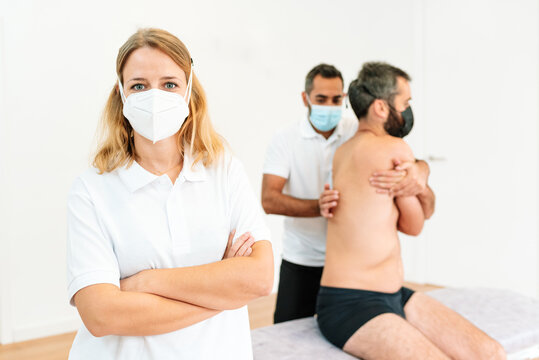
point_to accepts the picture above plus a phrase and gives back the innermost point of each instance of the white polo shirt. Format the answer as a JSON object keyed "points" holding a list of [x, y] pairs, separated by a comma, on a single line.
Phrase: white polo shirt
{"points": [[304, 157], [122, 222]]}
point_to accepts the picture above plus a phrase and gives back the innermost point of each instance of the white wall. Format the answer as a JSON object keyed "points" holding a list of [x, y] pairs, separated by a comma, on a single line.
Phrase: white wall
{"points": [[481, 110], [251, 57], [5, 315]]}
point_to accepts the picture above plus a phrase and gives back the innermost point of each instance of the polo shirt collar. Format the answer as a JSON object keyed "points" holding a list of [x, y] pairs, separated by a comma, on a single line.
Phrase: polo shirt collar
{"points": [[308, 132], [306, 129], [136, 177], [190, 172]]}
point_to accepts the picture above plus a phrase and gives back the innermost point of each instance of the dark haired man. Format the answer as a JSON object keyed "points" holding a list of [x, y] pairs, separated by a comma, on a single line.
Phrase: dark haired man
{"points": [[362, 306], [295, 184]]}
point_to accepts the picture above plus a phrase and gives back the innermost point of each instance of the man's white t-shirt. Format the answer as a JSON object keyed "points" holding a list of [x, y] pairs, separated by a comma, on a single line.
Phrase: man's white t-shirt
{"points": [[129, 220], [304, 157]]}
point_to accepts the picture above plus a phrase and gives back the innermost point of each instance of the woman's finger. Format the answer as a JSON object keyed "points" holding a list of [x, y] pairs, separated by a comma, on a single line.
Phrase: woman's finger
{"points": [[238, 243], [246, 245]]}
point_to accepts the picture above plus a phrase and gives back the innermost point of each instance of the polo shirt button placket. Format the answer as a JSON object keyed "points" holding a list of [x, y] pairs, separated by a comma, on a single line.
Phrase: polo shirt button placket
{"points": [[178, 233]]}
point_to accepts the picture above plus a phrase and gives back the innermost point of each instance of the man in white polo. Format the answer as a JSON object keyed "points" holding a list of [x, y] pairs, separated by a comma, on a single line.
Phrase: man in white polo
{"points": [[297, 173]]}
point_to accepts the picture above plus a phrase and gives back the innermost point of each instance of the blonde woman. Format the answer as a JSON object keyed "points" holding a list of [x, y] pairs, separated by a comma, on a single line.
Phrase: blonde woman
{"points": [[154, 267]]}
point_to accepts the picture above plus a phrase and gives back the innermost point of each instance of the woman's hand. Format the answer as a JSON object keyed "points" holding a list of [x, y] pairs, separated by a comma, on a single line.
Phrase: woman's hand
{"points": [[241, 247]]}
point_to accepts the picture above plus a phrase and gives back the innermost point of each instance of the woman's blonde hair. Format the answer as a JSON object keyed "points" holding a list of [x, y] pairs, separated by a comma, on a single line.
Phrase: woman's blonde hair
{"points": [[116, 146]]}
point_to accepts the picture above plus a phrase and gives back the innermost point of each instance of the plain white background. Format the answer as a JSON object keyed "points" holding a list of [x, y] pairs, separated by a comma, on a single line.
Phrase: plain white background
{"points": [[475, 85]]}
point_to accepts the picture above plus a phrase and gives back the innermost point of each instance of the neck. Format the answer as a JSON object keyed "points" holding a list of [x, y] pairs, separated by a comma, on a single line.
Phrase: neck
{"points": [[157, 158], [368, 125]]}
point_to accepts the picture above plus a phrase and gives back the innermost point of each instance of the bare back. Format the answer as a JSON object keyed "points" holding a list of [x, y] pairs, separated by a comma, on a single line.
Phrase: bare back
{"points": [[363, 249]]}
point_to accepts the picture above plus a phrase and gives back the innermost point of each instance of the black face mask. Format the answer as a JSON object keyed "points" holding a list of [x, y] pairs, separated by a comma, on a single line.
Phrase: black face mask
{"points": [[399, 126]]}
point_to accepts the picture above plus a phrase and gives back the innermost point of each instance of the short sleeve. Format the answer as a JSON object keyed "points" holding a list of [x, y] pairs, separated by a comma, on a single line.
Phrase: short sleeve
{"points": [[277, 161], [245, 211], [90, 254]]}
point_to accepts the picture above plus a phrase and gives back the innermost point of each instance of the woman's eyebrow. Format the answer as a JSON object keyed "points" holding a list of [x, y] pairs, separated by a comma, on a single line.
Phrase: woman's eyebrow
{"points": [[163, 78], [137, 79], [169, 78]]}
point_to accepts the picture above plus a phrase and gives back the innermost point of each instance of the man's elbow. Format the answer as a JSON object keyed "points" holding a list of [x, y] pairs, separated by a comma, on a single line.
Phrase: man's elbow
{"points": [[413, 229], [267, 204], [429, 212]]}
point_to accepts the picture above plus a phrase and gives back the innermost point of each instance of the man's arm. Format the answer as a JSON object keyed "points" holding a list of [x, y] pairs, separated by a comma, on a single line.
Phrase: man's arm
{"points": [[275, 202], [411, 217], [227, 284], [105, 310], [428, 201], [416, 181], [407, 179]]}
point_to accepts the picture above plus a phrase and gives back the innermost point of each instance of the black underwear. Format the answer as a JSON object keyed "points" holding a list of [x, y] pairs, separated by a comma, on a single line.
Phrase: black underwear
{"points": [[341, 312]]}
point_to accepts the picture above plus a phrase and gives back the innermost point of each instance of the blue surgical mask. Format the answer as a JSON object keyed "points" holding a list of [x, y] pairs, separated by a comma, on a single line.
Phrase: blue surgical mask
{"points": [[324, 117]]}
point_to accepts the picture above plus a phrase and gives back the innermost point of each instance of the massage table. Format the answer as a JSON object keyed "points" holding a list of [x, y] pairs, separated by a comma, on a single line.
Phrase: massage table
{"points": [[510, 318]]}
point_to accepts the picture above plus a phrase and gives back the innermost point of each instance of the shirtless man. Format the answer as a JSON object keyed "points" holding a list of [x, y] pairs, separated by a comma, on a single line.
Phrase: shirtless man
{"points": [[362, 306]]}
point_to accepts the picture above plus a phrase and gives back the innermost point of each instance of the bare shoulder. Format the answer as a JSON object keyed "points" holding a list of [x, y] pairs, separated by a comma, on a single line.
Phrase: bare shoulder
{"points": [[370, 151], [393, 147], [371, 148]]}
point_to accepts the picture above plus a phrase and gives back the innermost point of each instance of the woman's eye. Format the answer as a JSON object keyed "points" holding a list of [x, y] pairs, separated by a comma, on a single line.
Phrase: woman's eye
{"points": [[170, 85], [138, 87]]}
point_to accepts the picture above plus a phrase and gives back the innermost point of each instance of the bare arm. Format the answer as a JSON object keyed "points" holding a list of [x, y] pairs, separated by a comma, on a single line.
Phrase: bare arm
{"points": [[227, 284], [105, 310], [419, 174], [411, 217], [275, 202], [427, 200], [407, 179]]}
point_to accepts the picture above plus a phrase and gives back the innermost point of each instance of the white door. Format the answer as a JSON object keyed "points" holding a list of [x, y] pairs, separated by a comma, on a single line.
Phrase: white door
{"points": [[481, 96]]}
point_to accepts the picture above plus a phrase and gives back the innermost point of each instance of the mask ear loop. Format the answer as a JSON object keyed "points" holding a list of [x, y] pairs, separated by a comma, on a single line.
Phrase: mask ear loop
{"points": [[190, 82], [121, 88]]}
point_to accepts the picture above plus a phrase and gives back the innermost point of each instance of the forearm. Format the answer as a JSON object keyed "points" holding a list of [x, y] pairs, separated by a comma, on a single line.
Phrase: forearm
{"points": [[427, 201], [109, 311], [411, 217], [281, 204], [426, 197], [226, 284]]}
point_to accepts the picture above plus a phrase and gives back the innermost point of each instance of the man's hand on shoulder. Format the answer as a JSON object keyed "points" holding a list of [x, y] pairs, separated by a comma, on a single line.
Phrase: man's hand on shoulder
{"points": [[415, 181], [405, 179], [408, 176]]}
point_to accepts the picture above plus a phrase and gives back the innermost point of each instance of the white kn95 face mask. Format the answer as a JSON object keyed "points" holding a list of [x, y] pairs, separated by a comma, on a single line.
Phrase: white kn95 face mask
{"points": [[156, 114]]}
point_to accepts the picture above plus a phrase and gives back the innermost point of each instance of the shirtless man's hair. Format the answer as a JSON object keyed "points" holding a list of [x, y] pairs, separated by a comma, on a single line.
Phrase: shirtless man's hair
{"points": [[362, 306]]}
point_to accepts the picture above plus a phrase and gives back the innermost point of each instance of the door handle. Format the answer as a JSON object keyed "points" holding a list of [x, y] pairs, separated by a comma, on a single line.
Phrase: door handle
{"points": [[436, 158]]}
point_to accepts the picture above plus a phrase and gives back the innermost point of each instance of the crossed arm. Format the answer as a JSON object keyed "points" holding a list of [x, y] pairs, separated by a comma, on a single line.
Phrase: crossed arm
{"points": [[223, 285], [411, 215], [106, 310], [163, 300], [405, 180]]}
